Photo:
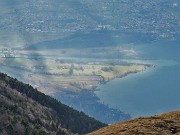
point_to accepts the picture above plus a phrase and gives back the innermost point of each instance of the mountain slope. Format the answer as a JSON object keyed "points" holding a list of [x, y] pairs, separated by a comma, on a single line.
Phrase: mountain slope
{"points": [[164, 124], [24, 110]]}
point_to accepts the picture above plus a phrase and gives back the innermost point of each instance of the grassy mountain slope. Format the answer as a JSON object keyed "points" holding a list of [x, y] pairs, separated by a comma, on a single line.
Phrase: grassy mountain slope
{"points": [[164, 124], [24, 110]]}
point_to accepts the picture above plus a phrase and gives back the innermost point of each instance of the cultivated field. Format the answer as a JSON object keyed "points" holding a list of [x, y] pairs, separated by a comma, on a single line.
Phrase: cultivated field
{"points": [[67, 74]]}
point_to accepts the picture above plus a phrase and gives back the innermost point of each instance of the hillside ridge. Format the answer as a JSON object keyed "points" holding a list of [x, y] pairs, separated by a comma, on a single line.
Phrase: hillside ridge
{"points": [[164, 124], [25, 110]]}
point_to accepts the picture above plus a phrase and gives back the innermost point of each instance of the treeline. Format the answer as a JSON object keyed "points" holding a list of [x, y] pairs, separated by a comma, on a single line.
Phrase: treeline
{"points": [[76, 122]]}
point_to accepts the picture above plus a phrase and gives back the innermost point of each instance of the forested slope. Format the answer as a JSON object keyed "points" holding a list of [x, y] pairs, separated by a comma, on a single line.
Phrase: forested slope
{"points": [[24, 110]]}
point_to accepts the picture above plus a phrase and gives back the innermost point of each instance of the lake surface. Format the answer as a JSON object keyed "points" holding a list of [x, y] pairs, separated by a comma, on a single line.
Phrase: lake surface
{"points": [[154, 91]]}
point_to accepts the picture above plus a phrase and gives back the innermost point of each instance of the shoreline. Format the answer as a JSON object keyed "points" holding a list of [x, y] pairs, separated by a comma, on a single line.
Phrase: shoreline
{"points": [[90, 103], [95, 88], [126, 91]]}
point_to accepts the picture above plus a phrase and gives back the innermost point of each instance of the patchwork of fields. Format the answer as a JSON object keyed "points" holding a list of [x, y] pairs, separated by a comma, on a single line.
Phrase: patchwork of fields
{"points": [[66, 74]]}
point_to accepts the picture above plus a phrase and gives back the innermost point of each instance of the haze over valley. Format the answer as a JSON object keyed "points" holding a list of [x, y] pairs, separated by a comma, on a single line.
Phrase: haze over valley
{"points": [[119, 58]]}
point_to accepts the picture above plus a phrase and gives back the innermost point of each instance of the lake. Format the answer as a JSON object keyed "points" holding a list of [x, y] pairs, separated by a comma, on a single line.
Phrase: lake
{"points": [[154, 91]]}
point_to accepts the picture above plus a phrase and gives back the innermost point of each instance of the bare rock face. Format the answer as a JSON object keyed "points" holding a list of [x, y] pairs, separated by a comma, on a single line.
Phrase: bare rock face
{"points": [[164, 124]]}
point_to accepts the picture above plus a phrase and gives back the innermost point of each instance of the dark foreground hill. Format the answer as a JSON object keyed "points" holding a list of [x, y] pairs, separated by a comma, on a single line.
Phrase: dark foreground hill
{"points": [[24, 110], [165, 124]]}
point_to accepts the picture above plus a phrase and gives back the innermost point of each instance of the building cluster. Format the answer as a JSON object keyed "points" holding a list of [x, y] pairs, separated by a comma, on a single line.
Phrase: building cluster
{"points": [[159, 19], [7, 53]]}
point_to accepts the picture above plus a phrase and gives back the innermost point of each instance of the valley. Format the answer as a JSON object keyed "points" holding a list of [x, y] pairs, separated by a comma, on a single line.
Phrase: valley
{"points": [[65, 73], [72, 80], [71, 49]]}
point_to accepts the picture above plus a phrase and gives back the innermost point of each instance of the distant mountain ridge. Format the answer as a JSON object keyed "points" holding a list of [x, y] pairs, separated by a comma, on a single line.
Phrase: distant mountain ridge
{"points": [[24, 110], [164, 124]]}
